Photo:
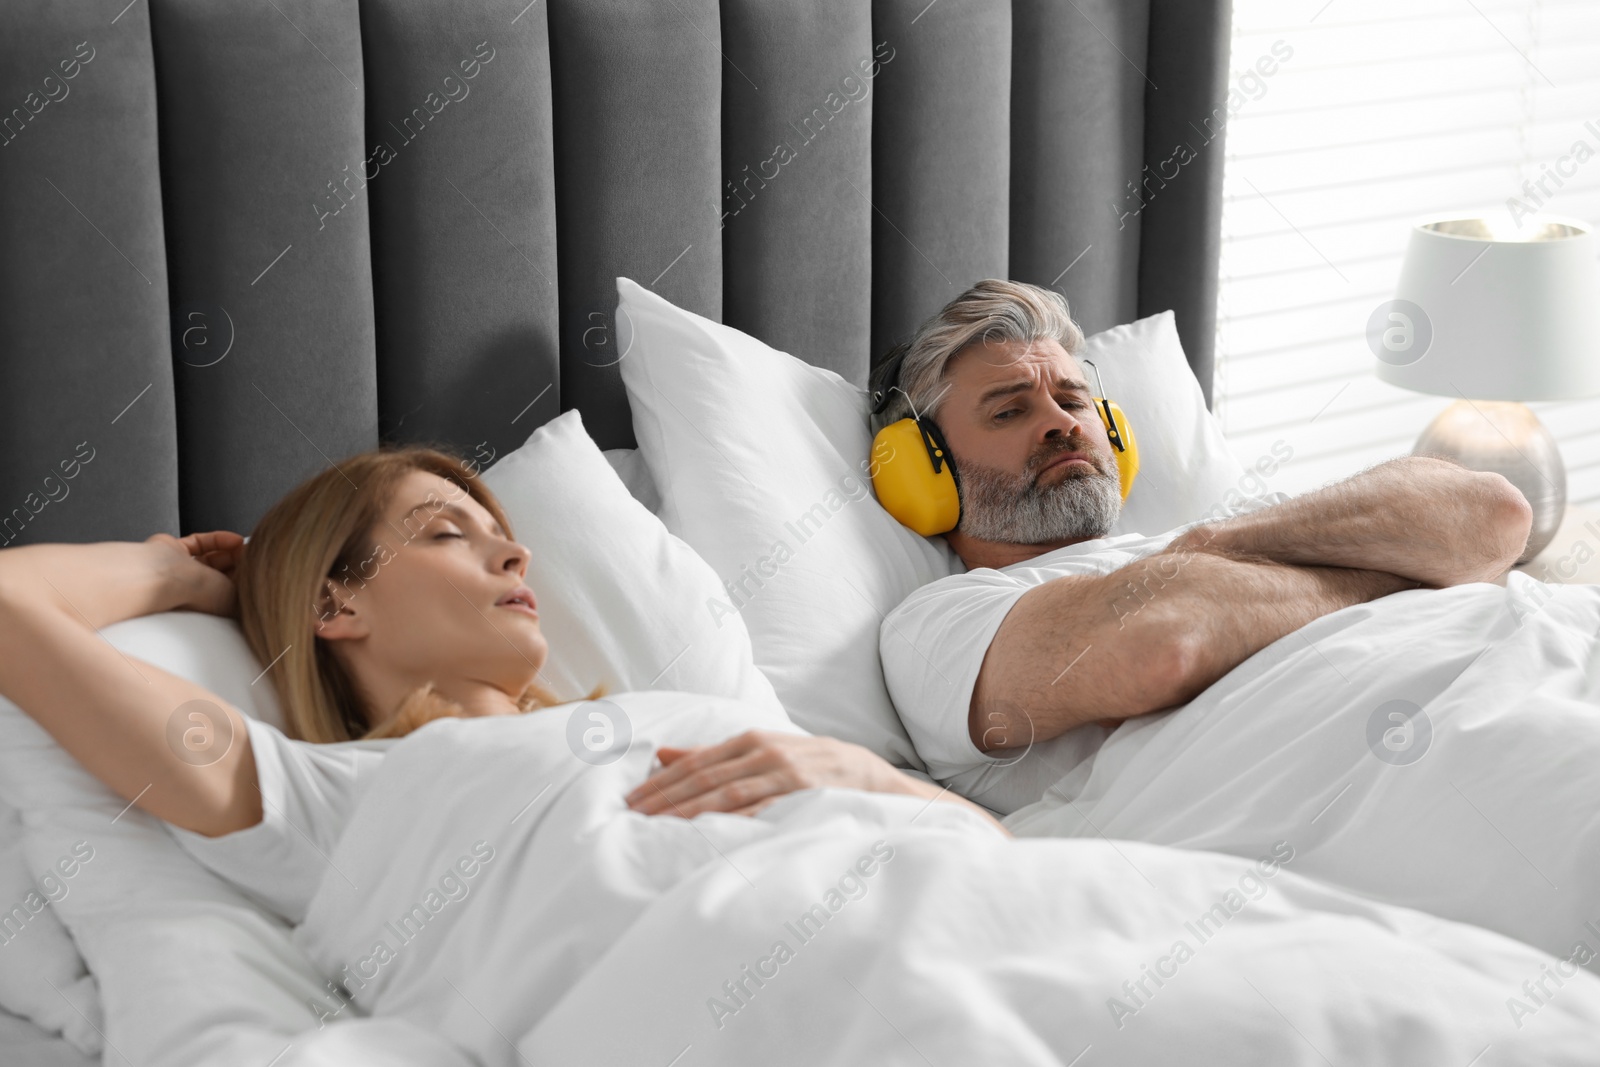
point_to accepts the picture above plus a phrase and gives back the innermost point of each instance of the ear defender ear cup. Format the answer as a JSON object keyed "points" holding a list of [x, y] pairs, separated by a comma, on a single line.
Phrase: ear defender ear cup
{"points": [[914, 476], [1123, 445]]}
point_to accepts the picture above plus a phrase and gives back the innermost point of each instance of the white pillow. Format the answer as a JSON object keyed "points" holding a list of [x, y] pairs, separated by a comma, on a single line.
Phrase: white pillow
{"points": [[621, 600], [742, 441], [761, 462], [1186, 470], [635, 474]]}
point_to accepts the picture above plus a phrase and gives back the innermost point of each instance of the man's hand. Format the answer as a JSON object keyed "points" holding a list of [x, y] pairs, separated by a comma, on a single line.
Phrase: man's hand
{"points": [[1418, 517]]}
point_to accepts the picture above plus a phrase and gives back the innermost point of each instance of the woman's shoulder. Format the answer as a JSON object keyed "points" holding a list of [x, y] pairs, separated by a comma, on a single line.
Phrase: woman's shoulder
{"points": [[307, 793], [279, 755]]}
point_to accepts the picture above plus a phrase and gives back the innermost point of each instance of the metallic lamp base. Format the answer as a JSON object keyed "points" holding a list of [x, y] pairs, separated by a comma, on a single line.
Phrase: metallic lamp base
{"points": [[1507, 438]]}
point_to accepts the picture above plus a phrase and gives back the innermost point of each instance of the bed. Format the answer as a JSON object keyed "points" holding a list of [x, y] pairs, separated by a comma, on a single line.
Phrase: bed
{"points": [[242, 241]]}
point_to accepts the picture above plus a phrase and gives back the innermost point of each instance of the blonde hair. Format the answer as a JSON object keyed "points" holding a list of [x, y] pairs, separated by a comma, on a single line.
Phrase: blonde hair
{"points": [[994, 309], [322, 529]]}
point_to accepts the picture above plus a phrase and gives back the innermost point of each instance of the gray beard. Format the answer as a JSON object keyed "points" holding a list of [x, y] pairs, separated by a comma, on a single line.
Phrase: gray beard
{"points": [[1013, 509]]}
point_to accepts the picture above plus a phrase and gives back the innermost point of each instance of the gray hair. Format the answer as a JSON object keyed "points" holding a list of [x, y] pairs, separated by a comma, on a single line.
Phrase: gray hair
{"points": [[996, 310]]}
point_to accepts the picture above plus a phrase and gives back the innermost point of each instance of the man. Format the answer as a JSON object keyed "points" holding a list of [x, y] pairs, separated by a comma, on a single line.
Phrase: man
{"points": [[1304, 656], [1041, 638]]}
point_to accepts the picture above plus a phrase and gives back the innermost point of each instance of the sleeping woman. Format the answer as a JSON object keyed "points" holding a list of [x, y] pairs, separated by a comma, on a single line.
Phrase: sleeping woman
{"points": [[446, 628]]}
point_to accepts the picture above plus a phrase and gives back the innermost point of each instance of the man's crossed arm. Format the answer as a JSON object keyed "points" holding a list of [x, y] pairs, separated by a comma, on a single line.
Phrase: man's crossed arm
{"points": [[1419, 517], [1157, 632]]}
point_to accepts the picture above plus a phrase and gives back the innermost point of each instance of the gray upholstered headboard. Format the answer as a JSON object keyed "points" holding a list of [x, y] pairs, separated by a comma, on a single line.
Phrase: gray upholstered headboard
{"points": [[240, 240]]}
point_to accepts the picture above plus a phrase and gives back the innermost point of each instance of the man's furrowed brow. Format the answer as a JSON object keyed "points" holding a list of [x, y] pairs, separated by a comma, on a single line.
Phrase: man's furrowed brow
{"points": [[1022, 385], [995, 392]]}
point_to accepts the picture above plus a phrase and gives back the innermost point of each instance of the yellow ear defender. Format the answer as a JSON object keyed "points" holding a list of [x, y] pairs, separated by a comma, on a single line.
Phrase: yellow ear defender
{"points": [[915, 475]]}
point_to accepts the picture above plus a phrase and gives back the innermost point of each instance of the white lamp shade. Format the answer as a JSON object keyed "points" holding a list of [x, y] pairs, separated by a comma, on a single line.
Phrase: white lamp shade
{"points": [[1509, 319]]}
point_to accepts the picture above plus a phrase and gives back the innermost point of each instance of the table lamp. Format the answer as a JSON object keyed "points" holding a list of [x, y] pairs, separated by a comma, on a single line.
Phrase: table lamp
{"points": [[1494, 318]]}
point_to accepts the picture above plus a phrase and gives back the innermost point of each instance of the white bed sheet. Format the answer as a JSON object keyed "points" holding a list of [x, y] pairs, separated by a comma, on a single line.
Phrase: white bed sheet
{"points": [[496, 891], [22, 1044], [1479, 802]]}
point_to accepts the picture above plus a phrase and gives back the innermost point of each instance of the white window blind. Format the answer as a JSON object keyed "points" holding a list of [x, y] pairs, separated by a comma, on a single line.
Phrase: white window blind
{"points": [[1383, 112]]}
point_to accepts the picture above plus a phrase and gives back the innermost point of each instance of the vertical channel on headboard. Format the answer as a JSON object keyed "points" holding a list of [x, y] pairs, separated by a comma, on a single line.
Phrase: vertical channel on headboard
{"points": [[941, 158], [637, 93], [261, 123], [1180, 241], [1077, 149], [462, 190], [797, 100], [84, 355]]}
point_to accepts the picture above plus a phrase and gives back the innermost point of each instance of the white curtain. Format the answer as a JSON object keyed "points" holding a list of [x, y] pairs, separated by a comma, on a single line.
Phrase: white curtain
{"points": [[1347, 119]]}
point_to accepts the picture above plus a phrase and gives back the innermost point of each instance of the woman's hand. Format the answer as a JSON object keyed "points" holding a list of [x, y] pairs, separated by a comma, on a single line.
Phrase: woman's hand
{"points": [[104, 582], [748, 772], [201, 567]]}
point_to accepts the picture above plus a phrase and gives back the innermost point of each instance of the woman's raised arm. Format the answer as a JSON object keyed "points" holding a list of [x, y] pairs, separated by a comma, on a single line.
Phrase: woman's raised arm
{"points": [[113, 712]]}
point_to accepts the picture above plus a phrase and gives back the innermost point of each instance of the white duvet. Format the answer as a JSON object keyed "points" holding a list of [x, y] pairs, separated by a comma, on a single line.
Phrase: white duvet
{"points": [[1437, 749], [493, 890]]}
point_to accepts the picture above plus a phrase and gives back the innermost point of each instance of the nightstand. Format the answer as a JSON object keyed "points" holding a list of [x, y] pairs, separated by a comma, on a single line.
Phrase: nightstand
{"points": [[1574, 555]]}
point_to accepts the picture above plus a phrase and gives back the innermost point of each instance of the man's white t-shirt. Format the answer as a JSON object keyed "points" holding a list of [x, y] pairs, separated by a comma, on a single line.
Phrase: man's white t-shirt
{"points": [[933, 646], [307, 794]]}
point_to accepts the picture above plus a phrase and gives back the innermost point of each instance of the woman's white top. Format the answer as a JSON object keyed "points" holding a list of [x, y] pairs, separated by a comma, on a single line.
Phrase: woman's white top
{"points": [[308, 791]]}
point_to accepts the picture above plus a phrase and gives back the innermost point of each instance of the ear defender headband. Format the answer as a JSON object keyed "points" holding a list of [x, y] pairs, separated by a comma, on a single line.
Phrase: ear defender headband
{"points": [[915, 475]]}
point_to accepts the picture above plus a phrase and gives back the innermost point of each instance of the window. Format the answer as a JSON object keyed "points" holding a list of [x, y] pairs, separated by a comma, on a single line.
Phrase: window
{"points": [[1382, 113]]}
